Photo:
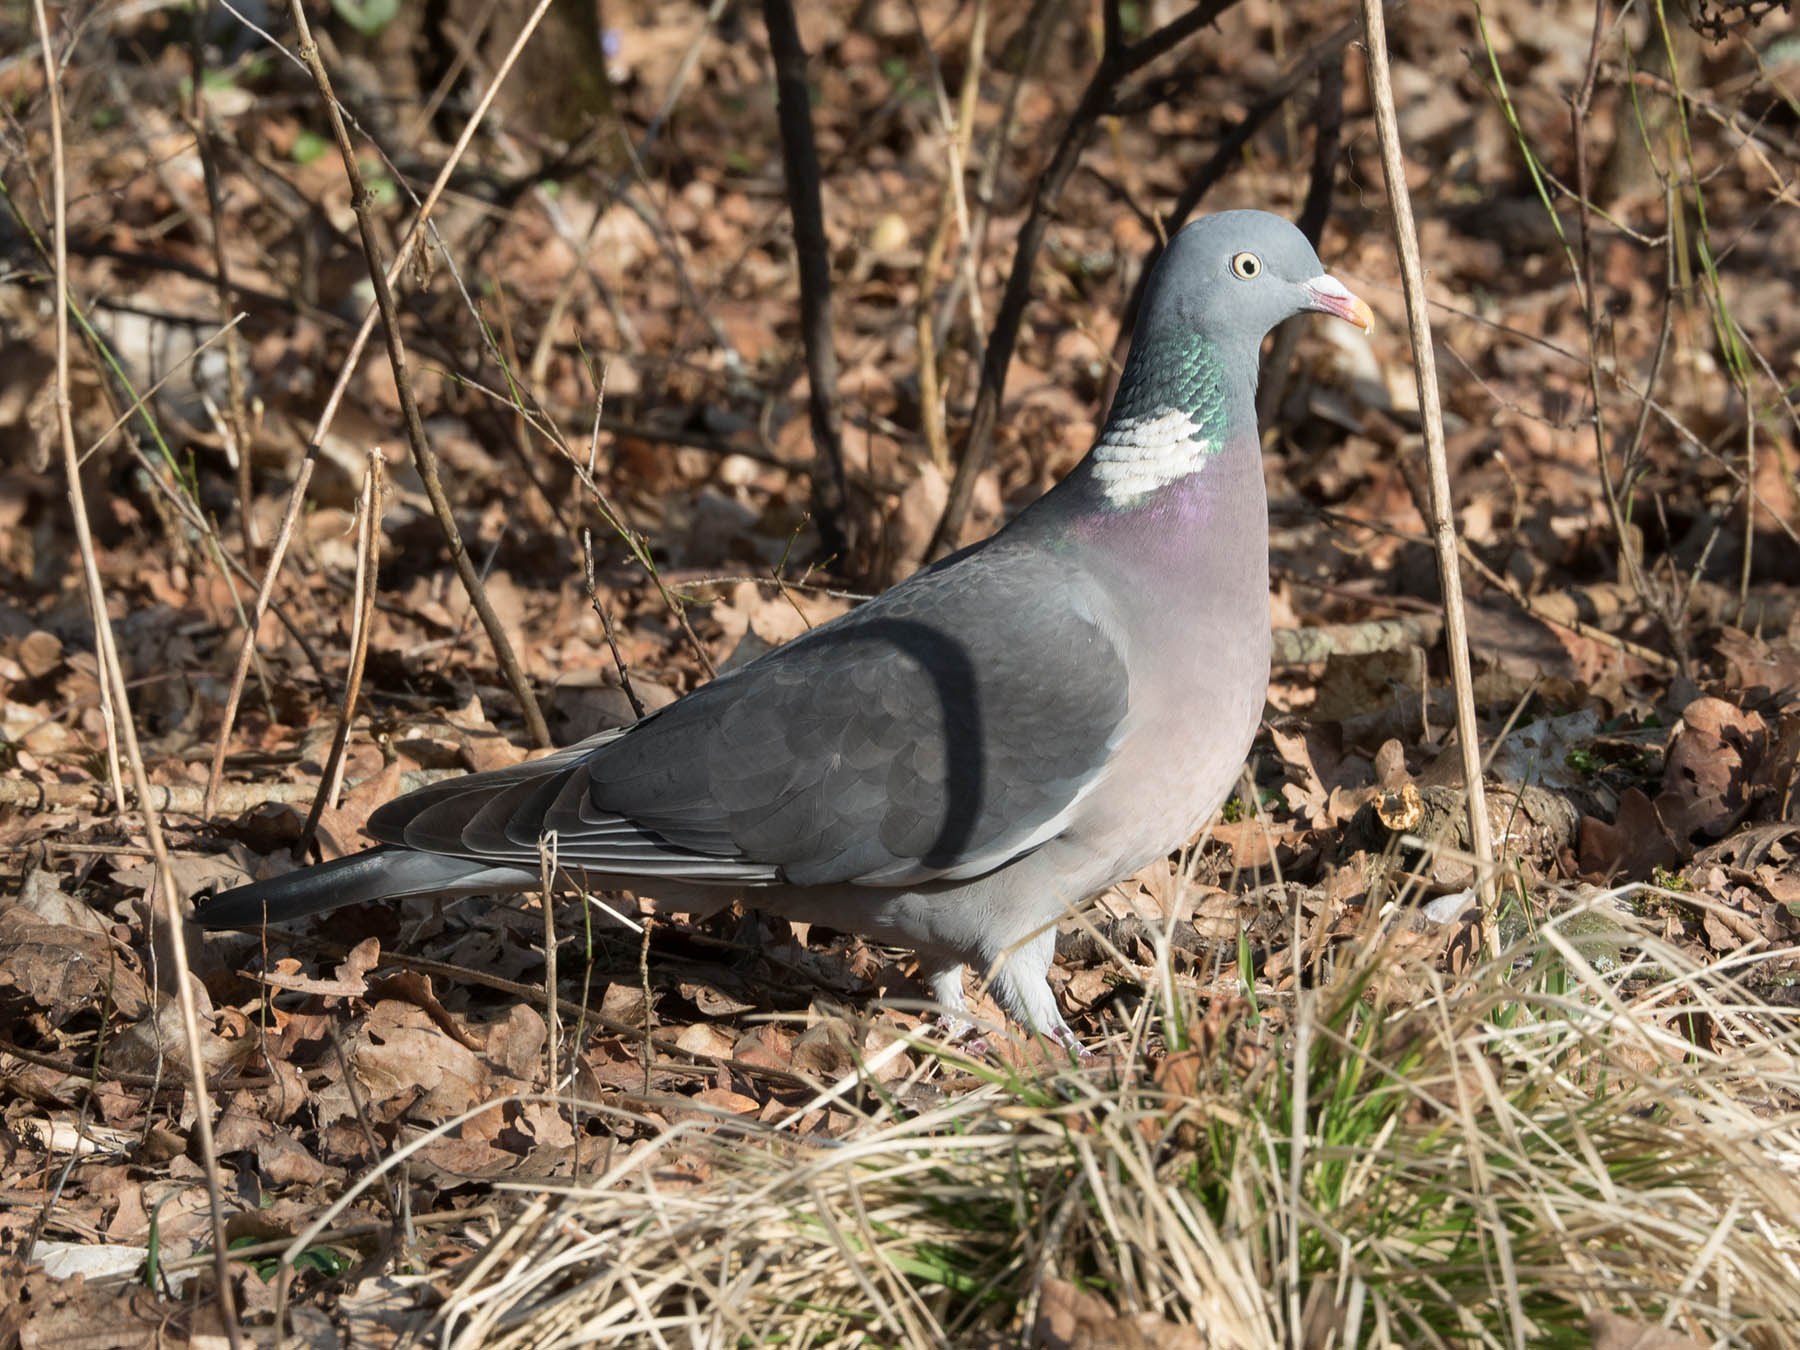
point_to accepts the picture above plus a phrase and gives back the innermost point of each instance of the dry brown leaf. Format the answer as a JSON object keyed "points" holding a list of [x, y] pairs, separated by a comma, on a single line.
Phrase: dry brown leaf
{"points": [[284, 1161], [484, 744], [1714, 755], [349, 981], [516, 1045], [415, 988], [767, 1046], [705, 1040], [1073, 1318], [41, 893], [1629, 846], [724, 1099], [404, 1061], [1754, 662], [65, 970], [1355, 685]]}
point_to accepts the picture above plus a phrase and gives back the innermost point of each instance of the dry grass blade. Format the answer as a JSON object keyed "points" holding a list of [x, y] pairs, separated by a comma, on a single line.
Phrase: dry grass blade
{"points": [[1490, 1162], [117, 701], [368, 562]]}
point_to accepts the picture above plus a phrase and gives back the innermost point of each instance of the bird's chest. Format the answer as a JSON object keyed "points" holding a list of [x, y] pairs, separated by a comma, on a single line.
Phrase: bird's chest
{"points": [[1185, 758], [1194, 711]]}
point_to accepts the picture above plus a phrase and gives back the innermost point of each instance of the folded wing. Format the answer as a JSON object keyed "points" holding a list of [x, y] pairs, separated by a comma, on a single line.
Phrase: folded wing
{"points": [[938, 732]]}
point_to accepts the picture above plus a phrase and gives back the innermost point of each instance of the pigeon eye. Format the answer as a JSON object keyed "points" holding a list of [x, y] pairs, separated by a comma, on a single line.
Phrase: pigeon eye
{"points": [[1246, 265]]}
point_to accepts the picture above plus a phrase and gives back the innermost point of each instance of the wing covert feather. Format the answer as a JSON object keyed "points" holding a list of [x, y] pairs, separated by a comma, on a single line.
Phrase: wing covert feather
{"points": [[939, 731]]}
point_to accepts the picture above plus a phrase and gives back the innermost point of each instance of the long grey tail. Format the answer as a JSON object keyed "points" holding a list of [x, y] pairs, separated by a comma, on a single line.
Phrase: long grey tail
{"points": [[381, 873]]}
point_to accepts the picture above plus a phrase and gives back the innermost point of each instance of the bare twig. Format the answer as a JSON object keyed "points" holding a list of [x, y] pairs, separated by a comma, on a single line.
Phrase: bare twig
{"points": [[1585, 286], [545, 426], [237, 424], [648, 1043], [1443, 523], [368, 562], [800, 157], [640, 550], [606, 623], [547, 897], [424, 457], [1118, 60], [402, 258], [112, 675], [1040, 23]]}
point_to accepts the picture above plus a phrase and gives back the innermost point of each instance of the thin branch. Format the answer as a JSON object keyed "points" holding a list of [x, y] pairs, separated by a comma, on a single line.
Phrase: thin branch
{"points": [[1586, 286], [1443, 523], [606, 624], [236, 423], [587, 563], [800, 158], [1040, 23], [403, 256], [368, 562], [1117, 62], [424, 457], [123, 728], [954, 207]]}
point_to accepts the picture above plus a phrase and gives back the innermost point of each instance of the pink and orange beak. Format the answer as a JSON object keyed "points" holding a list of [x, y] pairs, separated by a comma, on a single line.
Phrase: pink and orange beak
{"points": [[1331, 296]]}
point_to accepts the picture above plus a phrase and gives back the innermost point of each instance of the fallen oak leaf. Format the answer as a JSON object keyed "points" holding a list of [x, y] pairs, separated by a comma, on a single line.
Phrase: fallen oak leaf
{"points": [[65, 970], [406, 1063], [1714, 754], [1633, 844], [349, 981], [411, 986]]}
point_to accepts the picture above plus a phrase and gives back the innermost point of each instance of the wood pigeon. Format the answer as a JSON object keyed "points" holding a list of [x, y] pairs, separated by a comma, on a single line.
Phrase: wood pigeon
{"points": [[955, 764]]}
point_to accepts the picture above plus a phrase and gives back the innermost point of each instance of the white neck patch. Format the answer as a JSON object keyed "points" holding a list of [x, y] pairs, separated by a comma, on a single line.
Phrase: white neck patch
{"points": [[1137, 455]]}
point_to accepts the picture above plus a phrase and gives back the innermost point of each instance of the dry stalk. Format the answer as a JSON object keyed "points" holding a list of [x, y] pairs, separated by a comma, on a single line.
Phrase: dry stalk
{"points": [[606, 624], [122, 729], [1119, 59], [547, 897], [1443, 522], [362, 618], [1040, 23], [424, 457], [403, 256], [954, 207]]}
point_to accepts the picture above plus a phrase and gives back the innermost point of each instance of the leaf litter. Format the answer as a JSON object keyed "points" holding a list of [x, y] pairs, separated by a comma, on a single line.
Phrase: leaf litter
{"points": [[1648, 758]]}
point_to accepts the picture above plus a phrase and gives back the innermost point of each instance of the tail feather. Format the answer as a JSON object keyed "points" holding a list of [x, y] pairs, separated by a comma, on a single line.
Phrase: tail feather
{"points": [[381, 873]]}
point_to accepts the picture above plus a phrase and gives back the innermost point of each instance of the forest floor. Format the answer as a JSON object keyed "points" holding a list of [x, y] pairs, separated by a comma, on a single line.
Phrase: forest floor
{"points": [[1609, 217]]}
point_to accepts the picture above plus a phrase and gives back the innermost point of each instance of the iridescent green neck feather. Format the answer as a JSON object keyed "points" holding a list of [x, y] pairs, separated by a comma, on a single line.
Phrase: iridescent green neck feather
{"points": [[1168, 420]]}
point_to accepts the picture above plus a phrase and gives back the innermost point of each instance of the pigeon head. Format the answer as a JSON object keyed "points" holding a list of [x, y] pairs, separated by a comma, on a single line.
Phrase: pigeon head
{"points": [[1235, 275], [1188, 389]]}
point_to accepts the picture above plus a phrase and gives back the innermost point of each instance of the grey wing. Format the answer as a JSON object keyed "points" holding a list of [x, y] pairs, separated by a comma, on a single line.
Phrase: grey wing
{"points": [[938, 732]]}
